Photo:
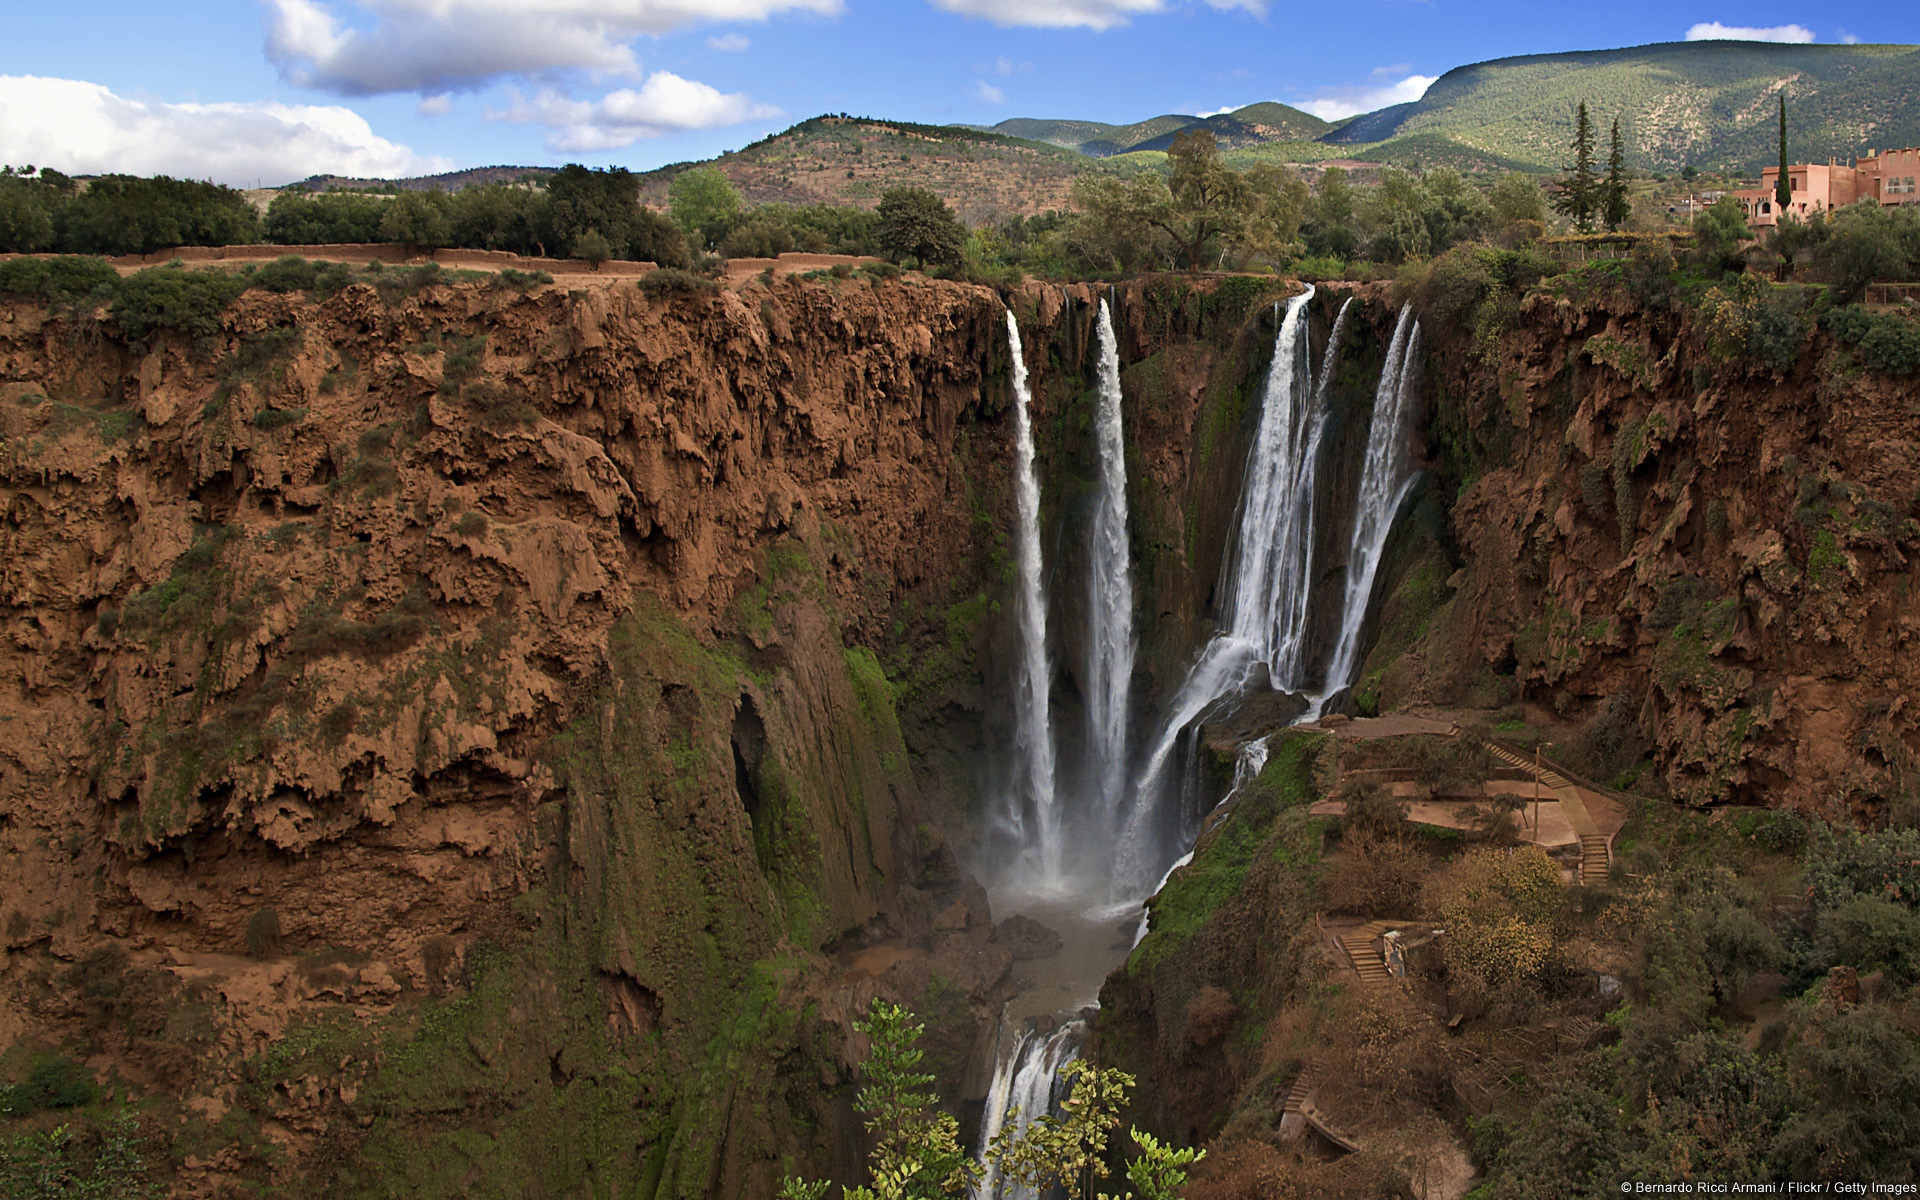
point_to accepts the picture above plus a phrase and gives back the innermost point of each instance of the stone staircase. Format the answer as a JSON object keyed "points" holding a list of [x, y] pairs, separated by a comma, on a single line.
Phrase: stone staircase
{"points": [[1363, 951], [1595, 854]]}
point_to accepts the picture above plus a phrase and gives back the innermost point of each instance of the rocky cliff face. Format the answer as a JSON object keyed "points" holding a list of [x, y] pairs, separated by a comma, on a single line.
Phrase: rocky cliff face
{"points": [[1681, 551], [481, 742]]}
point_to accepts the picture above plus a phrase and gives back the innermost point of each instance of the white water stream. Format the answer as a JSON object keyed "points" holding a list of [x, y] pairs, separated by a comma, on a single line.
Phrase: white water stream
{"points": [[1110, 640], [1033, 814]]}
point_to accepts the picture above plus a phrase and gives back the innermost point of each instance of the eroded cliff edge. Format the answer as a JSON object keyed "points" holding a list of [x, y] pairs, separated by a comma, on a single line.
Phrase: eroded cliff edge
{"points": [[469, 741]]}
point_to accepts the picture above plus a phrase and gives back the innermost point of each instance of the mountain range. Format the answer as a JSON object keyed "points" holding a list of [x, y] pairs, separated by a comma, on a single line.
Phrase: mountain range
{"points": [[1709, 104]]}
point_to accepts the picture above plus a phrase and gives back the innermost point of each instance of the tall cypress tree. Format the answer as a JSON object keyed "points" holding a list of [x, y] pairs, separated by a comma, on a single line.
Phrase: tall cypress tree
{"points": [[1579, 193], [1782, 190], [1615, 208]]}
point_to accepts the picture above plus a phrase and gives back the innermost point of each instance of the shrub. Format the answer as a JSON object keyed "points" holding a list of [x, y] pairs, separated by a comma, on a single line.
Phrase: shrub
{"points": [[1887, 341], [1371, 808], [288, 273], [53, 1081], [263, 932], [671, 279], [171, 297], [62, 280], [1498, 907], [1376, 876]]}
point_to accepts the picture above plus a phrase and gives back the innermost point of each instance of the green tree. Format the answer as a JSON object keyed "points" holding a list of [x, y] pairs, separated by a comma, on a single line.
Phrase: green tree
{"points": [[1866, 242], [1066, 1151], [501, 216], [1328, 228], [591, 248], [916, 1150], [123, 214], [27, 204], [1718, 232], [1782, 187], [419, 220], [915, 223], [1793, 238], [1615, 206], [1578, 194], [298, 217], [704, 205]]}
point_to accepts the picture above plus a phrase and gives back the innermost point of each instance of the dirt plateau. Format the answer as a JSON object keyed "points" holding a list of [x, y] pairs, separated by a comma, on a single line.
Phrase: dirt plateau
{"points": [[487, 744]]}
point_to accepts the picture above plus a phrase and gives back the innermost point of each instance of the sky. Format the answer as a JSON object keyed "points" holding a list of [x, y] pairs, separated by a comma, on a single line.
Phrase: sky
{"points": [[265, 92]]}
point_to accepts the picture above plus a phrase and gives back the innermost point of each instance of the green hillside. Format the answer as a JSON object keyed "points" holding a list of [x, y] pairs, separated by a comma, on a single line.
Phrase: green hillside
{"points": [[1268, 121], [1678, 103]]}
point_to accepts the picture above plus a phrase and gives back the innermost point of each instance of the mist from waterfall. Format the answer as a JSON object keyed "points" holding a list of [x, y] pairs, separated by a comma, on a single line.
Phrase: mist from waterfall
{"points": [[1032, 816], [1110, 637], [1384, 484]]}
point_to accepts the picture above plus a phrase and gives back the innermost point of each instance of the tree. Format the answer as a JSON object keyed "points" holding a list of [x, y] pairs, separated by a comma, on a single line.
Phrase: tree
{"points": [[917, 1156], [302, 218], [1615, 207], [1329, 225], [1866, 242], [592, 248], [1208, 197], [1579, 193], [421, 220], [1782, 187], [704, 205], [915, 223]]}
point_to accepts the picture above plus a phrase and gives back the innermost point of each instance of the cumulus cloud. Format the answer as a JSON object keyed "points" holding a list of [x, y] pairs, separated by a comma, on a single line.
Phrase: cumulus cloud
{"points": [[987, 93], [1380, 91], [435, 106], [1077, 14], [85, 129], [664, 104], [728, 43], [449, 45], [1714, 31]]}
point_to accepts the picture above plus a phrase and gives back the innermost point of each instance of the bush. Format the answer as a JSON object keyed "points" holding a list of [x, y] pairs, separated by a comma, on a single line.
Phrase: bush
{"points": [[62, 280], [1498, 907], [171, 297], [53, 1081], [288, 273], [263, 932], [1887, 341], [915, 223], [672, 279]]}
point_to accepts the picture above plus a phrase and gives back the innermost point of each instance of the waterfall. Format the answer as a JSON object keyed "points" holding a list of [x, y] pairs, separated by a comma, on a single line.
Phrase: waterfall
{"points": [[1384, 484], [1110, 642], [1034, 797], [1026, 1082], [1267, 584]]}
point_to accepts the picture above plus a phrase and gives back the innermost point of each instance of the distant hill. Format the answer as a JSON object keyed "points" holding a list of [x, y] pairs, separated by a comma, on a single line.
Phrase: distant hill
{"points": [[1678, 103], [450, 181], [985, 174], [1256, 123]]}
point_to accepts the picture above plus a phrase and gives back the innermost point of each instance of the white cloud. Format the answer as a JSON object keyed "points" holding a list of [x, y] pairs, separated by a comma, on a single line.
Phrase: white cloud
{"points": [[435, 106], [1214, 112], [1845, 38], [1712, 31], [1005, 67], [664, 104], [448, 45], [1334, 103], [84, 129], [1077, 14], [728, 43], [987, 93]]}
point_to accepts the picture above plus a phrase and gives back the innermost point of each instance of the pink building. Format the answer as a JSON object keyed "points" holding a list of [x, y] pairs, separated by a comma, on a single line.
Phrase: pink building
{"points": [[1886, 176]]}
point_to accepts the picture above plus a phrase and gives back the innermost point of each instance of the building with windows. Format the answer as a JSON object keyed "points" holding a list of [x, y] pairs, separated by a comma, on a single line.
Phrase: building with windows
{"points": [[1885, 176]]}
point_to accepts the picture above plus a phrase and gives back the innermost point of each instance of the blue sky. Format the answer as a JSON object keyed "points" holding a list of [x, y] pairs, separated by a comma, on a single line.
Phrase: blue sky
{"points": [[267, 91]]}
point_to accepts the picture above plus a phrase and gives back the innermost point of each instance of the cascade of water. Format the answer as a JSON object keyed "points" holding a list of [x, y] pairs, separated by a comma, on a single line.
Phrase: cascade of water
{"points": [[1384, 484], [1109, 591], [1033, 811], [1266, 586], [1026, 1083]]}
